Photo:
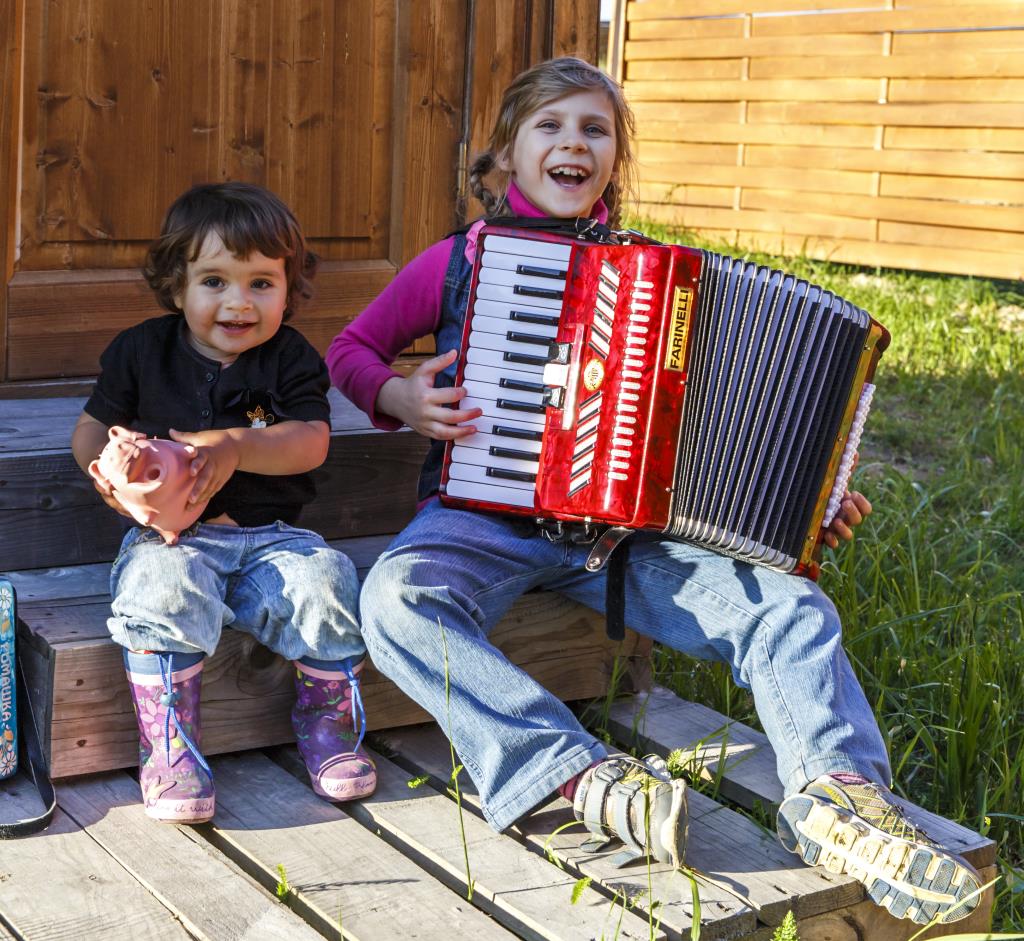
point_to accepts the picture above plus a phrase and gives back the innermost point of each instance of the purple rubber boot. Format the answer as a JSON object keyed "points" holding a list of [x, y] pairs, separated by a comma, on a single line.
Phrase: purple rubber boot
{"points": [[176, 781], [329, 724]]}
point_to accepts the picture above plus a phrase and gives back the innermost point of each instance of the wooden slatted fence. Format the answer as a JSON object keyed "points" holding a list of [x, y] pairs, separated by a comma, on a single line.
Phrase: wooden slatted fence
{"points": [[877, 132]]}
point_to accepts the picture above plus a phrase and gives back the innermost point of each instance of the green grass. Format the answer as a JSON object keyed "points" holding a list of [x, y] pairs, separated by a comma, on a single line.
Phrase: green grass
{"points": [[931, 593]]}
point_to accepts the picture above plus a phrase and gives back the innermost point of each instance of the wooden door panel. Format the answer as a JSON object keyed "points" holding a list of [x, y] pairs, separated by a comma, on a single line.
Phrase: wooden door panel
{"points": [[353, 112]]}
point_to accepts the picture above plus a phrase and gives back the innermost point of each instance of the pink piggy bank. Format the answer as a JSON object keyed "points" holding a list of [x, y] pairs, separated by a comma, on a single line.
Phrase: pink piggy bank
{"points": [[150, 478]]}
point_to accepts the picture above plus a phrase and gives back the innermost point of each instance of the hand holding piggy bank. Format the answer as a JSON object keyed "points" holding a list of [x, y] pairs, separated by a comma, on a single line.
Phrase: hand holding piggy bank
{"points": [[150, 478]]}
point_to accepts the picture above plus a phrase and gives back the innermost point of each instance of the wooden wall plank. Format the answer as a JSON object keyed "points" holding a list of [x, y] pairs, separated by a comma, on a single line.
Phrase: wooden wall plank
{"points": [[12, 22], [921, 66], [652, 154], [957, 90], [838, 44], [998, 166], [930, 114], [823, 89], [949, 237], [692, 194], [963, 16], [796, 180], [667, 9], [805, 136], [973, 139], [958, 41], [690, 69], [712, 28], [962, 189]]}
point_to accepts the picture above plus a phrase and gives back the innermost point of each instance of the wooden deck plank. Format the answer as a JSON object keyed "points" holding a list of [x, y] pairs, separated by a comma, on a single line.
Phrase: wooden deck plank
{"points": [[722, 914], [62, 884], [204, 890], [516, 886], [338, 870], [665, 722]]}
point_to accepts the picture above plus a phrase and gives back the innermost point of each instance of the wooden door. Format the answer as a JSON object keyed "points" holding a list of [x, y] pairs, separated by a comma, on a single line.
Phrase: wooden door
{"points": [[356, 112]]}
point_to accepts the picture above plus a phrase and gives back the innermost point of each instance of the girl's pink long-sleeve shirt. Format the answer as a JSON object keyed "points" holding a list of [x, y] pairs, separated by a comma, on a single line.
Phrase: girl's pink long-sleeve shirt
{"points": [[359, 358]]}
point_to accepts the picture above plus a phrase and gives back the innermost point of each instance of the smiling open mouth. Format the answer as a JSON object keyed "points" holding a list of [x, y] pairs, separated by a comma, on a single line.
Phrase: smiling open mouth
{"points": [[568, 176], [235, 326]]}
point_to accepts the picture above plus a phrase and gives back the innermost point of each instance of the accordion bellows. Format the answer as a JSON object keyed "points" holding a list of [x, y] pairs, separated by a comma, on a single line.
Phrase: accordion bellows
{"points": [[660, 387]]}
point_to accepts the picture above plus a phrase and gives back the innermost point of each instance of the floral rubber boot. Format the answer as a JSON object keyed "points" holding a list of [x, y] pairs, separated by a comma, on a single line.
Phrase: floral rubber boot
{"points": [[176, 781], [329, 724]]}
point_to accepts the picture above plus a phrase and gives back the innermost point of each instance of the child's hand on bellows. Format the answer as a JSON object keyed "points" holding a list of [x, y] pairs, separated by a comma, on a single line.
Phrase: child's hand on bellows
{"points": [[424, 408], [217, 458], [852, 510]]}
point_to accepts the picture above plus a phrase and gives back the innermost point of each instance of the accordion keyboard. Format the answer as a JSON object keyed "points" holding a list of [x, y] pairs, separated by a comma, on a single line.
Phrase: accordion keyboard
{"points": [[513, 325]]}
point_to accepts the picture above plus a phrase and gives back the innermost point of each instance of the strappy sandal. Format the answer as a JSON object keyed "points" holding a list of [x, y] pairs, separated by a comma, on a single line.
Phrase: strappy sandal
{"points": [[638, 803]]}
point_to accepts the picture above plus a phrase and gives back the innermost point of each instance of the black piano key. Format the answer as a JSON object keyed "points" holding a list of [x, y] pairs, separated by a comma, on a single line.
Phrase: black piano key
{"points": [[524, 359], [513, 453], [527, 338], [511, 475], [525, 317], [515, 406], [526, 434], [521, 385], [538, 272], [549, 293]]}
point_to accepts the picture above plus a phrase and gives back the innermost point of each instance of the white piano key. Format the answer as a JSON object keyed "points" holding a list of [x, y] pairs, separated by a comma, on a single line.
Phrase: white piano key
{"points": [[493, 341], [504, 292], [483, 440], [497, 325], [489, 493], [503, 310], [481, 458], [482, 356], [530, 248], [479, 474], [510, 262], [508, 370], [486, 425], [491, 410], [512, 278], [492, 390]]}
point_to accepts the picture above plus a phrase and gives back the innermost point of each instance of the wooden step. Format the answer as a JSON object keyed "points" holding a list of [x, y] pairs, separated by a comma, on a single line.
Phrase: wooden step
{"points": [[84, 713], [51, 516]]}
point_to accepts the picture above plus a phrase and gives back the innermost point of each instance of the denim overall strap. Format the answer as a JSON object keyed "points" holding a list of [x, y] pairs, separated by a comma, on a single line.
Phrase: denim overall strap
{"points": [[448, 337]]}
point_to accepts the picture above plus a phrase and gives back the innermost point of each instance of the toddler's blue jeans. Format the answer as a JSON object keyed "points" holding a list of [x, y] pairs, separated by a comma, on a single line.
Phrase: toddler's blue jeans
{"points": [[285, 586]]}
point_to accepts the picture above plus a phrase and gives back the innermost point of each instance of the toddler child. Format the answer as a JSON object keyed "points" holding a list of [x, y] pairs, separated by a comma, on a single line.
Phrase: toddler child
{"points": [[561, 148], [247, 395]]}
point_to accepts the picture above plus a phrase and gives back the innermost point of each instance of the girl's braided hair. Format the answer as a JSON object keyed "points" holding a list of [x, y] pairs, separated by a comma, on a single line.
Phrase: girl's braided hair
{"points": [[535, 88]]}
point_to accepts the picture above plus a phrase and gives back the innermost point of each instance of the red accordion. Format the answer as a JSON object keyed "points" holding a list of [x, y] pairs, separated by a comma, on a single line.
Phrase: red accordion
{"points": [[659, 387]]}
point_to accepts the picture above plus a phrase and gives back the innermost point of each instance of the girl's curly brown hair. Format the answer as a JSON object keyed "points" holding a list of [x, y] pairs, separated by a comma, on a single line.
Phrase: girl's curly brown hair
{"points": [[247, 218]]}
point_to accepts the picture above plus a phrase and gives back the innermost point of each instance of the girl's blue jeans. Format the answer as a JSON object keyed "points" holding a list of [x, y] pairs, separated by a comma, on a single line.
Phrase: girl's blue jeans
{"points": [[285, 586], [461, 571]]}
